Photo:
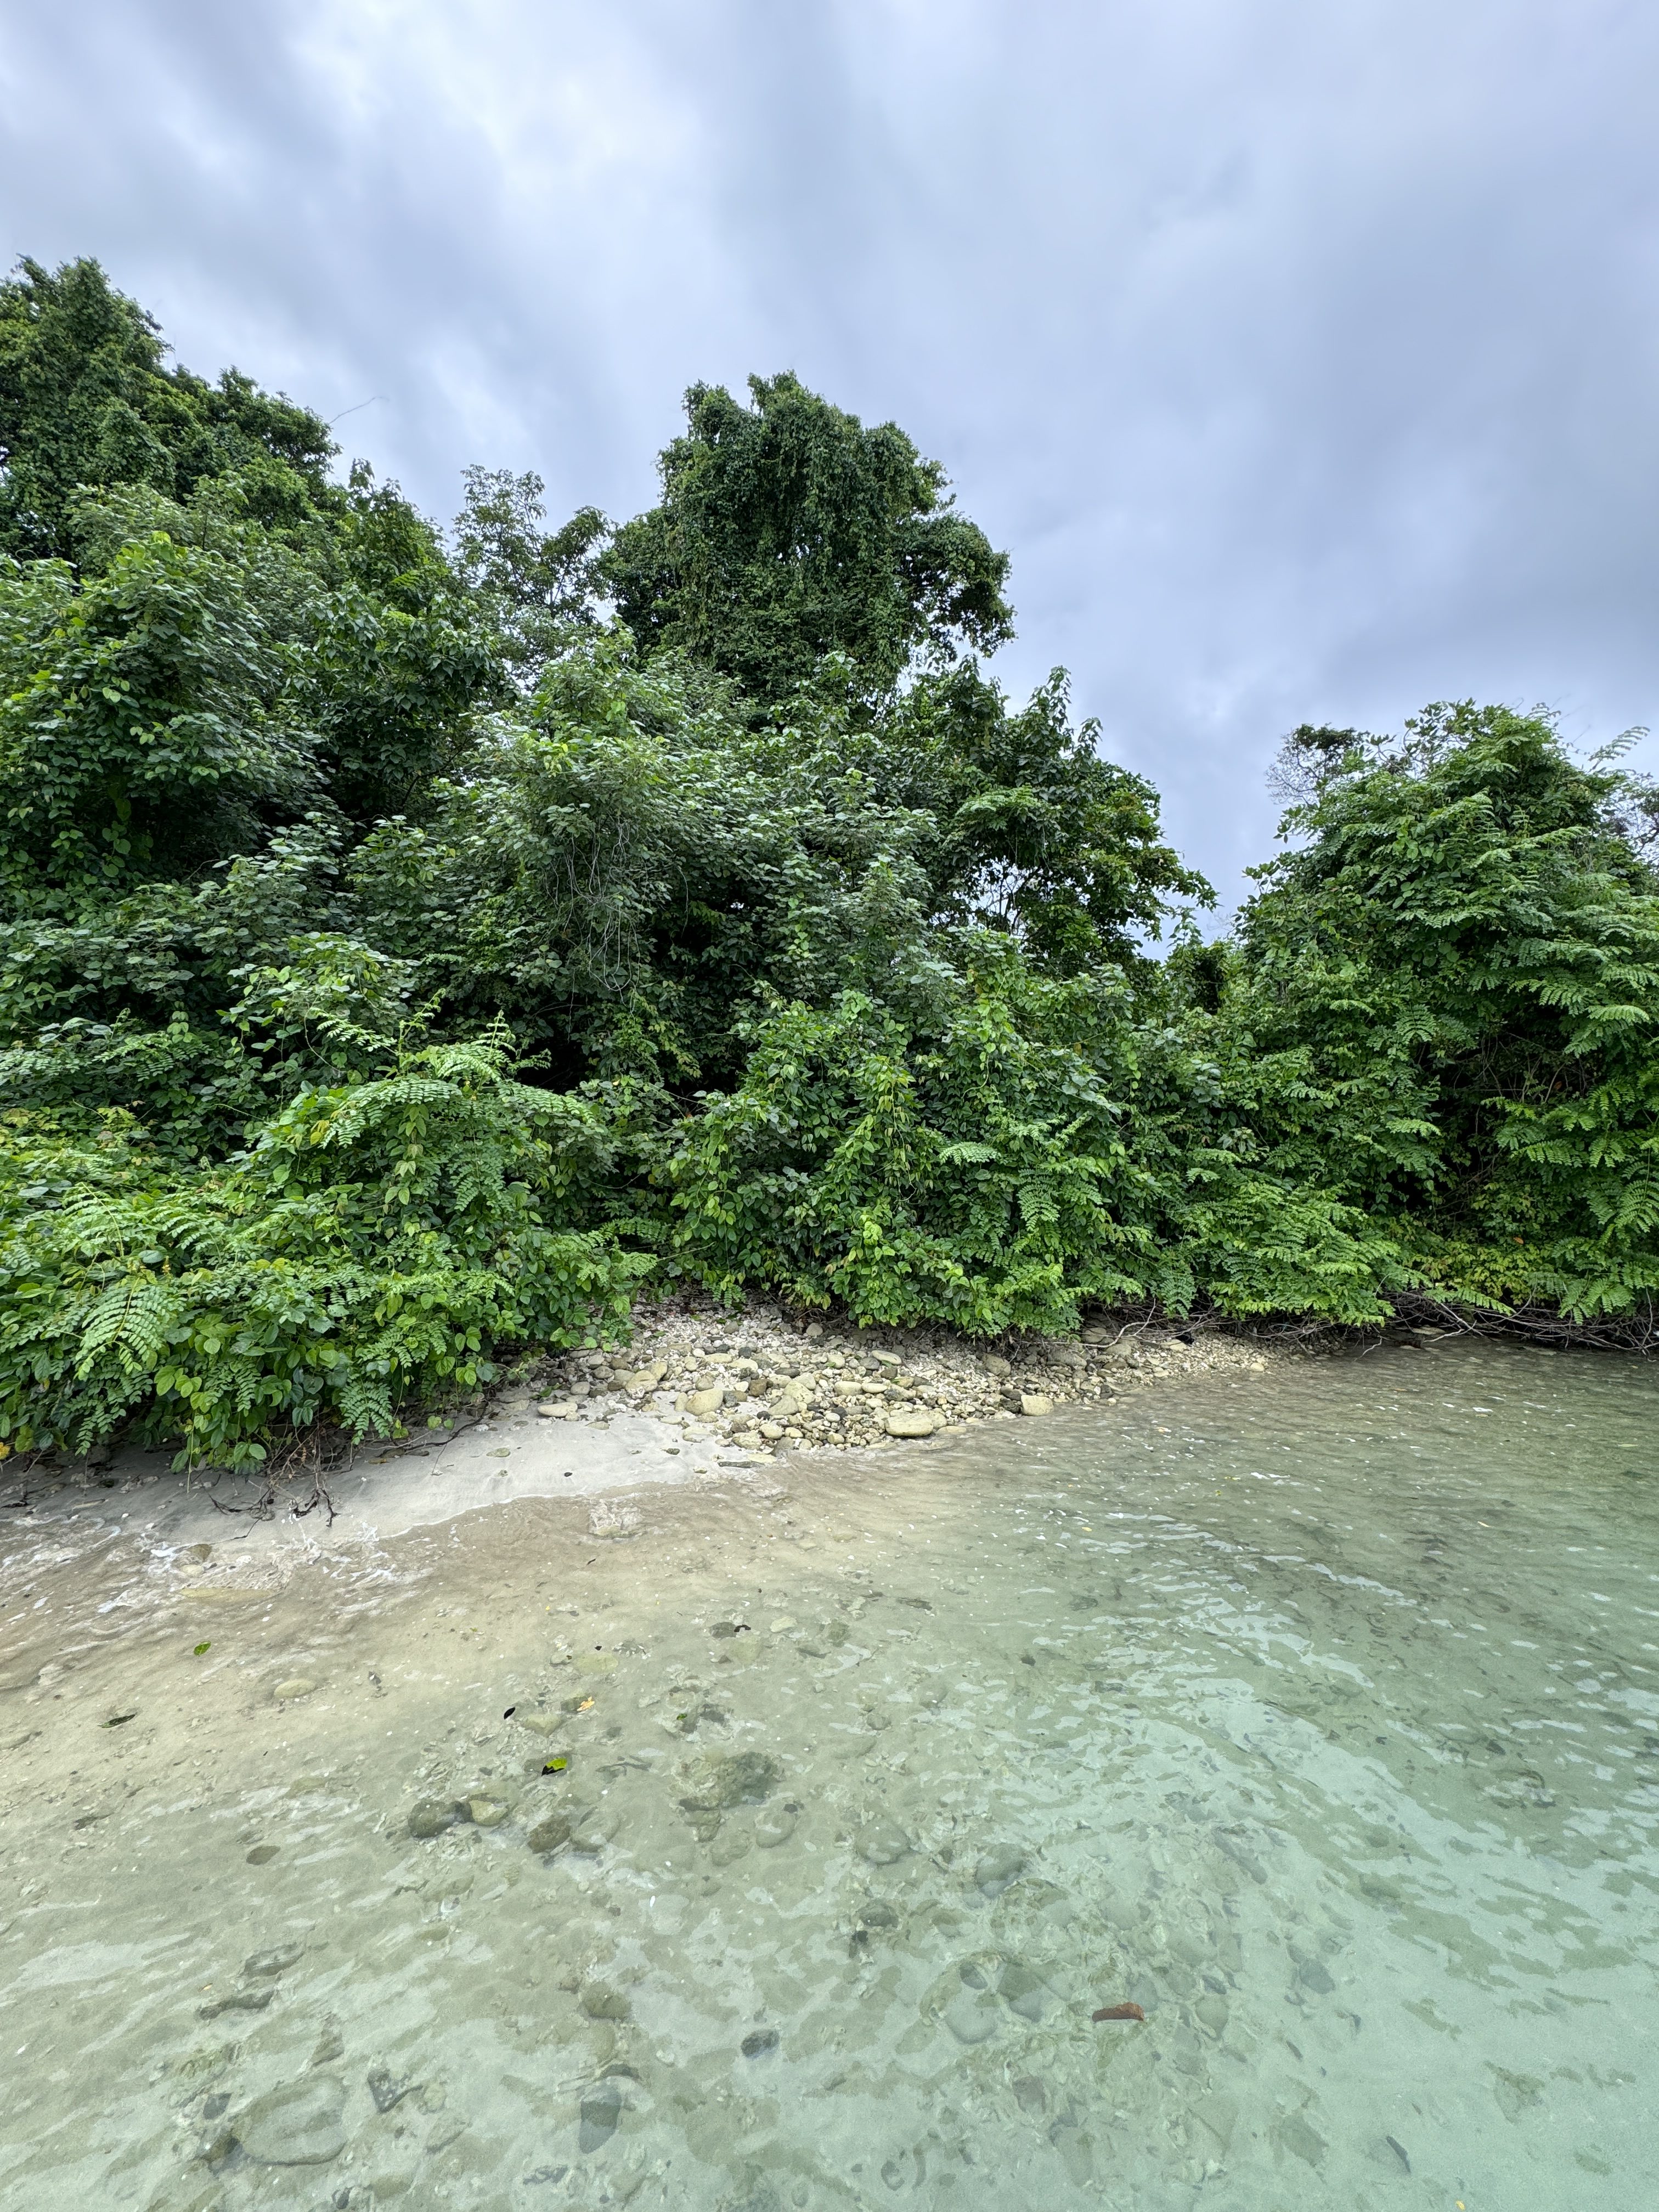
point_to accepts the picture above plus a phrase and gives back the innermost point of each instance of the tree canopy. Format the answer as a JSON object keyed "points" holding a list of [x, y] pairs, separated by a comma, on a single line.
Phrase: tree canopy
{"points": [[787, 531]]}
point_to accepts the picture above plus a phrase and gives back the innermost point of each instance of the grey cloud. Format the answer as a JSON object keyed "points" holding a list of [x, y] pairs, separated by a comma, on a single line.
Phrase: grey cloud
{"points": [[1304, 357]]}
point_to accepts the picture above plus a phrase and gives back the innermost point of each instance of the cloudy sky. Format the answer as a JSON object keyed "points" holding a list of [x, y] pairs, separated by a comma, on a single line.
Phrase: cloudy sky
{"points": [[1304, 353]]}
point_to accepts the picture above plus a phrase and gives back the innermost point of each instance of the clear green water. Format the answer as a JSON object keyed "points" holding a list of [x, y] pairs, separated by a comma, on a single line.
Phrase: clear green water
{"points": [[1317, 1715]]}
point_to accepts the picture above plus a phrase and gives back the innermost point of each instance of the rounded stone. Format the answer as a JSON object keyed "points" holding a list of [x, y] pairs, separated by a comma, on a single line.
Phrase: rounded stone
{"points": [[910, 1424], [550, 1833], [430, 1816], [1033, 1402], [603, 2001], [487, 1811], [972, 2016], [881, 1842], [591, 1832], [774, 1825], [297, 1686], [300, 2125]]}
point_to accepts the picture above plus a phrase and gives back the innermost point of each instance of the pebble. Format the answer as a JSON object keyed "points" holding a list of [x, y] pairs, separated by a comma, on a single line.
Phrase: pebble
{"points": [[262, 1854], [296, 1686], [487, 1811], [1033, 1402], [386, 2089], [430, 1816], [550, 1833], [972, 2016], [774, 1825], [300, 2125], [881, 1842], [603, 2000], [591, 1832]]}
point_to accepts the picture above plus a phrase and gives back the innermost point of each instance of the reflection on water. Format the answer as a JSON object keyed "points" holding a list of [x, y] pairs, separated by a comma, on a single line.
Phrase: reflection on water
{"points": [[1318, 1718]]}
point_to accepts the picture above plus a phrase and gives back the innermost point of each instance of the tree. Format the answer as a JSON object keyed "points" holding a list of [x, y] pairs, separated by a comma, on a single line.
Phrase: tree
{"points": [[86, 400], [787, 532], [540, 585], [1448, 1000]]}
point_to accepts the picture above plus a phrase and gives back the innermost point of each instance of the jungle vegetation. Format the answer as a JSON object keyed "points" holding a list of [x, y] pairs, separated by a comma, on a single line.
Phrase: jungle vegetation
{"points": [[412, 941]]}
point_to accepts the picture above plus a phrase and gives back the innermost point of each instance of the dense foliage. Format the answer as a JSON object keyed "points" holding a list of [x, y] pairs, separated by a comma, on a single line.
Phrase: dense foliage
{"points": [[409, 944]]}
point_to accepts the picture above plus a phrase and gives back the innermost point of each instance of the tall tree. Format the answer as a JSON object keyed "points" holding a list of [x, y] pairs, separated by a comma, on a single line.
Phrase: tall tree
{"points": [[87, 399], [787, 530]]}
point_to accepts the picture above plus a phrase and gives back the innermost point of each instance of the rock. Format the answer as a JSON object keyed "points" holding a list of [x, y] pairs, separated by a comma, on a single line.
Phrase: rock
{"points": [[600, 2116], [774, 1825], [385, 2091], [880, 1842], [997, 1868], [993, 1363], [972, 2016], [487, 1811], [430, 1816], [602, 2000], [330, 2045], [540, 1722], [916, 1424], [701, 1403], [772, 1430], [1301, 2140], [301, 2124], [557, 1409], [238, 2001], [646, 1378], [262, 1854], [260, 1964], [1032, 1402], [759, 2043], [550, 1833], [715, 1781], [297, 1686], [591, 1832]]}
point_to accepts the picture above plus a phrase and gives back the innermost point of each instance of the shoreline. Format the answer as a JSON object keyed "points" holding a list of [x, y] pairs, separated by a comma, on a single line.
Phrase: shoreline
{"points": [[698, 1395]]}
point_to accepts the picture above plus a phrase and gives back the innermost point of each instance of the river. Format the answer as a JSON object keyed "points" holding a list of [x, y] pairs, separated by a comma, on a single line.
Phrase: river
{"points": [[774, 1840]]}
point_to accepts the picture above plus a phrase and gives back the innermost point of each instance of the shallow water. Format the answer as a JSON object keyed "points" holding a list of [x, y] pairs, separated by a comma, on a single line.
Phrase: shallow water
{"points": [[1317, 1715]]}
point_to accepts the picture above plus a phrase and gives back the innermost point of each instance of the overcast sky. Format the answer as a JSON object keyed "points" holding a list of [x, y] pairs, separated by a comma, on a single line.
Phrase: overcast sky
{"points": [[1303, 353]]}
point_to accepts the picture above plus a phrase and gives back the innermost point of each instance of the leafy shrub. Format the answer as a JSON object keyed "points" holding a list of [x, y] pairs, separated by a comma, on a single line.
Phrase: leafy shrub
{"points": [[380, 1241]]}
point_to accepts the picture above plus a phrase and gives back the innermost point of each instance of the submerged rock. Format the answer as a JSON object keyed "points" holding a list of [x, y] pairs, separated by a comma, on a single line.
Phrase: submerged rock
{"points": [[881, 1842], [300, 2125], [430, 1816], [600, 2116], [277, 1961], [716, 1781], [774, 1825], [550, 1833]]}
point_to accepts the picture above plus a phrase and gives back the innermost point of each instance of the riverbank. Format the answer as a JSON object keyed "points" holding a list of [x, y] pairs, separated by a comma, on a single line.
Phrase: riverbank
{"points": [[766, 1383]]}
